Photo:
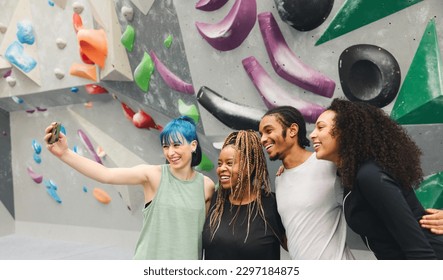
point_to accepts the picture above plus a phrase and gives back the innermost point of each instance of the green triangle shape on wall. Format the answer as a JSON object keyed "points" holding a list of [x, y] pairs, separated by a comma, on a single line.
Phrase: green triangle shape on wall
{"points": [[430, 191], [420, 100], [356, 13]]}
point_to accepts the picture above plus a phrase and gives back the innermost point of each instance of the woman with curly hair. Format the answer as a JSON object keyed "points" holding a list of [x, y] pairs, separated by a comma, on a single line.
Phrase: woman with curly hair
{"points": [[243, 222], [379, 165]]}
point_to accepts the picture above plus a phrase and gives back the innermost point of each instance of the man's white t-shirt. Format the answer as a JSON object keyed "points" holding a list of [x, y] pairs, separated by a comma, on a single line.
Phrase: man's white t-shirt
{"points": [[309, 200]]}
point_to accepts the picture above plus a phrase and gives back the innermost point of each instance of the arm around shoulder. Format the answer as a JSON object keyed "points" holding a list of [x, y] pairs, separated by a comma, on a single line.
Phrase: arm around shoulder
{"points": [[433, 220]]}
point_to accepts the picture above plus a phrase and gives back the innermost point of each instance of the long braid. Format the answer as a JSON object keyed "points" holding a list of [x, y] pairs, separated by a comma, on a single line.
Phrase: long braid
{"points": [[253, 176]]}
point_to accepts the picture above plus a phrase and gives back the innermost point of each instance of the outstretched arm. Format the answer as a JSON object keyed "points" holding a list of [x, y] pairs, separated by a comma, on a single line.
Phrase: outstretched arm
{"points": [[433, 221], [94, 170]]}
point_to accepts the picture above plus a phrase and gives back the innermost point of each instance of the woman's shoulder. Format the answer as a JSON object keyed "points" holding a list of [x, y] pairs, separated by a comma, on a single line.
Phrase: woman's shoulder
{"points": [[372, 176], [368, 169], [268, 199]]}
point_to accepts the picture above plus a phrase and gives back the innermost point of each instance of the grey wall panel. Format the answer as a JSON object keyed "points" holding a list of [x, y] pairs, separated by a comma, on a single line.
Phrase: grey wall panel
{"points": [[6, 182], [151, 31], [33, 203], [430, 139]]}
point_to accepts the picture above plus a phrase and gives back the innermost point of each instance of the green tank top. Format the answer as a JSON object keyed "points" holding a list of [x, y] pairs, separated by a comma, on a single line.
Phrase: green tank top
{"points": [[173, 221]]}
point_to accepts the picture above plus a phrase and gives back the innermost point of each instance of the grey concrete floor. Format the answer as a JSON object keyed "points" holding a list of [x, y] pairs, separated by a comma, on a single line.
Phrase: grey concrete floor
{"points": [[20, 247]]}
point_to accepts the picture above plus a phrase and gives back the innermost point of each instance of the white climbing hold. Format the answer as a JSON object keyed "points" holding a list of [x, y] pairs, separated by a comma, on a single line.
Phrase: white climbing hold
{"points": [[128, 13], [59, 73], [61, 44], [78, 7], [11, 81]]}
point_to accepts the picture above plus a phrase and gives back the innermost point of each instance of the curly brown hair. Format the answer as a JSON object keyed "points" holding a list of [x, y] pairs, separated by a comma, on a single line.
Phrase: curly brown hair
{"points": [[253, 176], [365, 132]]}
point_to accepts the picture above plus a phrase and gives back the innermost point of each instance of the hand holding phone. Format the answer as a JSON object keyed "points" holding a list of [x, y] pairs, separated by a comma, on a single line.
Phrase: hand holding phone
{"points": [[55, 133]]}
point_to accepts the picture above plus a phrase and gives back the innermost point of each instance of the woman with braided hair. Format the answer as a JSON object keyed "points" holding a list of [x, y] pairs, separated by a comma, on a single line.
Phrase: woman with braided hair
{"points": [[243, 222], [379, 166]]}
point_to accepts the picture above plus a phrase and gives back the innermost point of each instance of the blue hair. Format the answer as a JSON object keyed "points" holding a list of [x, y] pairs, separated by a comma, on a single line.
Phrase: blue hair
{"points": [[179, 128]]}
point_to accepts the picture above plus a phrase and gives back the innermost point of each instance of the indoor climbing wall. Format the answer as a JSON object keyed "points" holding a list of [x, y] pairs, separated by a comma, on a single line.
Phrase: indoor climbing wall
{"points": [[114, 72]]}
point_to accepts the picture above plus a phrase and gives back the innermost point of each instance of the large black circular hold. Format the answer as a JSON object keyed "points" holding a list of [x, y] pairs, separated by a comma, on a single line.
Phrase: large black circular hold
{"points": [[304, 15], [370, 74]]}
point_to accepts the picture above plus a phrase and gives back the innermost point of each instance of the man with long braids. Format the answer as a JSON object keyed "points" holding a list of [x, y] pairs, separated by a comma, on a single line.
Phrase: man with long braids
{"points": [[243, 222], [309, 196]]}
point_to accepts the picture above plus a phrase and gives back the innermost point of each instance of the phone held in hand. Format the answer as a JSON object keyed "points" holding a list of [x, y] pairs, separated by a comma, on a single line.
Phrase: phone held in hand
{"points": [[55, 134]]}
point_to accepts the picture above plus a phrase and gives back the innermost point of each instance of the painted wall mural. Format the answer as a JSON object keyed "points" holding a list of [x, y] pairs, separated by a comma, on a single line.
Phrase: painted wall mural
{"points": [[115, 71]]}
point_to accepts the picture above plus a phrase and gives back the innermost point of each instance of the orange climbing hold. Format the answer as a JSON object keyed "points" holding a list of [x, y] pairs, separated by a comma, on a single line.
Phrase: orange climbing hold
{"points": [[93, 44], [84, 71], [101, 195], [77, 21]]}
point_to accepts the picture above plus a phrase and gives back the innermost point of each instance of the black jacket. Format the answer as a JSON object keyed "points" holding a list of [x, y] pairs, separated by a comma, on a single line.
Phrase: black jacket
{"points": [[386, 216]]}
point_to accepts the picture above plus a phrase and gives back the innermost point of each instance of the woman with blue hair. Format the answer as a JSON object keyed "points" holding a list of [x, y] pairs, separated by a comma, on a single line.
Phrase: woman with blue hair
{"points": [[176, 196]]}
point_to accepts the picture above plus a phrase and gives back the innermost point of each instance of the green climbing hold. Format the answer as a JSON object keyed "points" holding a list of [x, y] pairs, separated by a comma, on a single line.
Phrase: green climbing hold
{"points": [[430, 192], [188, 110], [168, 41], [205, 164], [420, 99], [128, 38], [354, 14], [143, 72]]}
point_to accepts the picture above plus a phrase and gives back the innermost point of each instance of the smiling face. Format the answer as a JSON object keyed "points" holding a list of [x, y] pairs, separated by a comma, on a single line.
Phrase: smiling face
{"points": [[179, 153], [228, 167], [274, 138], [324, 142]]}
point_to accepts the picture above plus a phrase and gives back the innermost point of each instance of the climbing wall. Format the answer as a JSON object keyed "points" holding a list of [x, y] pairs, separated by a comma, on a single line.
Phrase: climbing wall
{"points": [[114, 72]]}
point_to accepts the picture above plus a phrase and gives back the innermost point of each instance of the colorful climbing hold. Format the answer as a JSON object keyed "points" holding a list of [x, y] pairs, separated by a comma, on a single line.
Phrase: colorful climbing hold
{"points": [[17, 100], [128, 37], [37, 158], [205, 164], [36, 177], [16, 55], [420, 100], [101, 195], [168, 41], [143, 72], [36, 146], [51, 189], [430, 191], [95, 89], [356, 13], [25, 32], [188, 110], [143, 120]]}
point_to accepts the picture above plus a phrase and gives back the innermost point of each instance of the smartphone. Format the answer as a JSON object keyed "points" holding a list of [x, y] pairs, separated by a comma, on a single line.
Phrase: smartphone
{"points": [[55, 133]]}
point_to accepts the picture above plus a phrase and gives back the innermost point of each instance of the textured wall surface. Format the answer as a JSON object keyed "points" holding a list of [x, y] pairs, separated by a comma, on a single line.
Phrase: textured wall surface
{"points": [[193, 61]]}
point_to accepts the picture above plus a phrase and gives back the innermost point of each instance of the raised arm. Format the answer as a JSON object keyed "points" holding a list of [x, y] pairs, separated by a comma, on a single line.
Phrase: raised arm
{"points": [[433, 220], [117, 176]]}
